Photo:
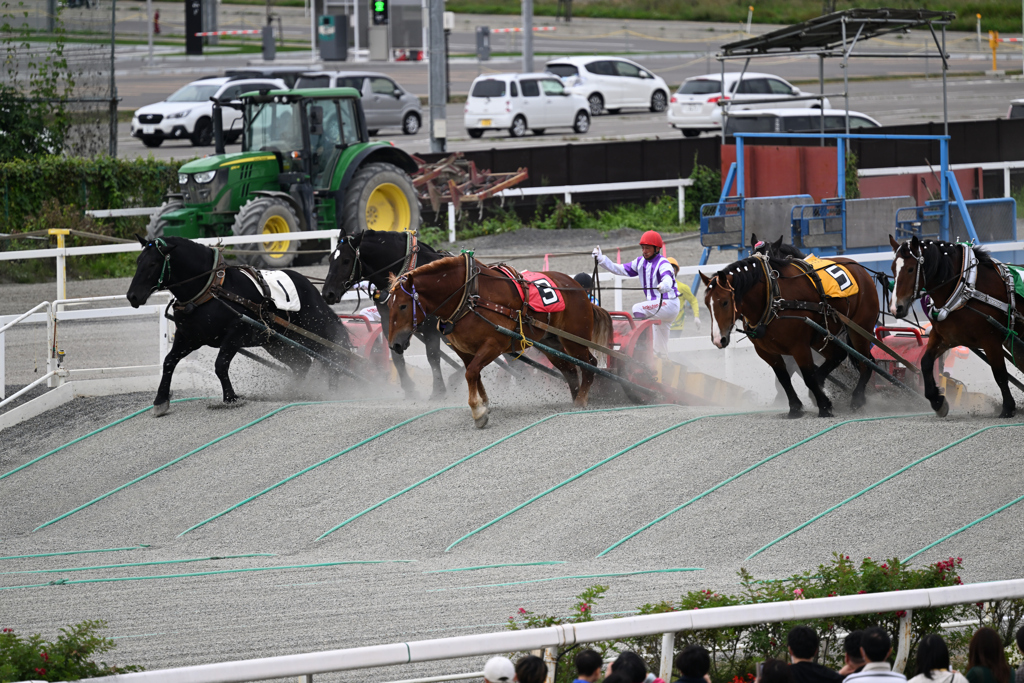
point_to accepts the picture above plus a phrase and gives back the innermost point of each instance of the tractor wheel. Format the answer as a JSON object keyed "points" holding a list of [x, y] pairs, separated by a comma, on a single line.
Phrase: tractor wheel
{"points": [[380, 197], [155, 229], [267, 216]]}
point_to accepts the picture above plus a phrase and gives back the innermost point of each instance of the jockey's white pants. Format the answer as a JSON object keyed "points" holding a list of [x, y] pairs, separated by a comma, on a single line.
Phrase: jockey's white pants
{"points": [[665, 311]]}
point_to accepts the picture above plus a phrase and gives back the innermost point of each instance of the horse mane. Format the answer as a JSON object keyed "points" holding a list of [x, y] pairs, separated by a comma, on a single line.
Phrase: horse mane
{"points": [[425, 269], [948, 251], [748, 272]]}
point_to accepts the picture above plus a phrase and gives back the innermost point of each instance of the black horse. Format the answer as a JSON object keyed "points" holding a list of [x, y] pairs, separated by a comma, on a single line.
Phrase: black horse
{"points": [[774, 249], [188, 270], [375, 256]]}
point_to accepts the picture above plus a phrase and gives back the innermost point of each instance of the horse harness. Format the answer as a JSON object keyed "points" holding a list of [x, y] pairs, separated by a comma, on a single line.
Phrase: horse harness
{"points": [[775, 303], [412, 250]]}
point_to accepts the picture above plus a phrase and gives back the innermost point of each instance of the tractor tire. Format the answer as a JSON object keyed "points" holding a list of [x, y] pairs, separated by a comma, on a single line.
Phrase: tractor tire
{"points": [[380, 197], [267, 216], [155, 229]]}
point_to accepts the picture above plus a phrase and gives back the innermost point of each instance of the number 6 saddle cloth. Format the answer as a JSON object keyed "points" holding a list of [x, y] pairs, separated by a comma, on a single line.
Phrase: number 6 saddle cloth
{"points": [[836, 280], [543, 297]]}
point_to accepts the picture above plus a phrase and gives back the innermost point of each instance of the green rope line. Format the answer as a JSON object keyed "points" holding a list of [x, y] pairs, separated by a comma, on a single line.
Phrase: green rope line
{"points": [[141, 546], [313, 467], [495, 566], [92, 433], [178, 459], [714, 488], [591, 468], [877, 484], [64, 582], [581, 576], [476, 453], [136, 564], [964, 528]]}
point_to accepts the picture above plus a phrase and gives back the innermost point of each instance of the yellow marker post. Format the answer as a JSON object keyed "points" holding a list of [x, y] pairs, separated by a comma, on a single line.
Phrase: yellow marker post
{"points": [[993, 42], [750, 17], [62, 278], [979, 31]]}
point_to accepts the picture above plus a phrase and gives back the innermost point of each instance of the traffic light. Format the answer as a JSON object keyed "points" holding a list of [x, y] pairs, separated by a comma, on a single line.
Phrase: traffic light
{"points": [[380, 12]]}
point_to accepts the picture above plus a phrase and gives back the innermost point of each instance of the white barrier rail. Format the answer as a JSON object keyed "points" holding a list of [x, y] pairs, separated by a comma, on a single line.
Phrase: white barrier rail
{"points": [[1004, 166], [306, 665]]}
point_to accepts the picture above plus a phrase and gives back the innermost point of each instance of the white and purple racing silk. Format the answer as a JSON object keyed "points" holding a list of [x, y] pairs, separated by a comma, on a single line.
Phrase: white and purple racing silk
{"points": [[651, 274]]}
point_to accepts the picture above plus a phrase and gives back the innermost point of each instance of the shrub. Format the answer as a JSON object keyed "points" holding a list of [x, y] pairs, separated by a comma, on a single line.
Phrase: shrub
{"points": [[68, 658]]}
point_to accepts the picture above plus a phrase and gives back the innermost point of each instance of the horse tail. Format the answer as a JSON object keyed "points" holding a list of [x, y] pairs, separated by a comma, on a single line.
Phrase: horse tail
{"points": [[602, 331]]}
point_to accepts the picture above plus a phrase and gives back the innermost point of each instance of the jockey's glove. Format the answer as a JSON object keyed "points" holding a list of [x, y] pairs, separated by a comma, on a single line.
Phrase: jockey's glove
{"points": [[597, 252], [666, 286]]}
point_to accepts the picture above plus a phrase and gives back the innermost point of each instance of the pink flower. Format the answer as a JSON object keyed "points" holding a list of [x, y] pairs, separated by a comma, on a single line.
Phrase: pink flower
{"points": [[45, 657], [584, 607], [41, 672], [522, 611], [798, 592], [901, 613]]}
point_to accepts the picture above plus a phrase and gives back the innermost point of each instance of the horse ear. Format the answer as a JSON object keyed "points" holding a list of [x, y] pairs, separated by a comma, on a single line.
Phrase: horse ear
{"points": [[777, 244], [705, 279], [142, 240], [753, 240], [915, 243], [894, 243]]}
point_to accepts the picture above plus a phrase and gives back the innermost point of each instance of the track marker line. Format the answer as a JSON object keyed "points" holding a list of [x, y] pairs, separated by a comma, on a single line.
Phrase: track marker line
{"points": [[136, 564], [566, 578], [495, 566], [141, 546], [964, 528]]}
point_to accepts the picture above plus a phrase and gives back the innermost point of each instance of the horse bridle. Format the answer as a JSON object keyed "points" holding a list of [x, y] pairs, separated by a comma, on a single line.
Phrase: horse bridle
{"points": [[408, 261]]}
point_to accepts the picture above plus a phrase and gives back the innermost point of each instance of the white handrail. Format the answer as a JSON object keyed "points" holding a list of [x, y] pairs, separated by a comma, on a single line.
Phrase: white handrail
{"points": [[289, 666], [17, 320], [22, 391]]}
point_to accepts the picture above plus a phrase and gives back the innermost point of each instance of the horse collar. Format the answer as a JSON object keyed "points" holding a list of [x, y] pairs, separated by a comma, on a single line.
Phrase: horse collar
{"points": [[964, 289]]}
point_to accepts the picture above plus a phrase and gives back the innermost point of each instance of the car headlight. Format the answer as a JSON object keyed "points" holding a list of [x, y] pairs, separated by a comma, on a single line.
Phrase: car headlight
{"points": [[179, 115], [205, 177], [183, 178]]}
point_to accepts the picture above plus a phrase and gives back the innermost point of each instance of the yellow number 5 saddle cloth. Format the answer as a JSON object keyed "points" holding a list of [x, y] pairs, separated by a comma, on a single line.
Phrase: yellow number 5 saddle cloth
{"points": [[836, 281]]}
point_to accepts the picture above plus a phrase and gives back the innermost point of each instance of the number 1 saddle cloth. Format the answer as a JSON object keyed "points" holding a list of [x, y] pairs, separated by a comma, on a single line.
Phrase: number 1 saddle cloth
{"points": [[543, 297], [836, 280]]}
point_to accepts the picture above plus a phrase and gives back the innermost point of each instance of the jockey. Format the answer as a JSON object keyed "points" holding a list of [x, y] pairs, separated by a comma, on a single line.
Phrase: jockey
{"points": [[658, 283]]}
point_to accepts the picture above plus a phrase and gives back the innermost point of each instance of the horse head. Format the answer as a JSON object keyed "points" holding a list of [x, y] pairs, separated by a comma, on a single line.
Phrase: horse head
{"points": [[402, 305], [909, 276], [774, 249], [720, 298], [345, 269], [152, 270]]}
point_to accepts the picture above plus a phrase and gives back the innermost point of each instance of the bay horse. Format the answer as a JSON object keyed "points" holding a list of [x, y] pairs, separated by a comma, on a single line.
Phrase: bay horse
{"points": [[969, 291], [195, 274], [470, 300], [772, 296], [376, 256]]}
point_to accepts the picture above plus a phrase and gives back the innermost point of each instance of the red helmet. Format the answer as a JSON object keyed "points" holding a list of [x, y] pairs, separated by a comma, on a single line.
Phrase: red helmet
{"points": [[653, 239]]}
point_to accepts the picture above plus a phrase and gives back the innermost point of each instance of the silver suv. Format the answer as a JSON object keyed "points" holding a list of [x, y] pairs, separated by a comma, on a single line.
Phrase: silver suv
{"points": [[387, 105]]}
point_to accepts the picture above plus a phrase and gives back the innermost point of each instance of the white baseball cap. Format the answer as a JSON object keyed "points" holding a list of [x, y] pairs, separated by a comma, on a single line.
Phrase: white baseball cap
{"points": [[499, 670]]}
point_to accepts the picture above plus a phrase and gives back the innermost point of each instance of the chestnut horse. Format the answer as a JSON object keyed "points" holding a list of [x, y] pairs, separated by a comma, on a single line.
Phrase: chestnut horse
{"points": [[772, 317], [471, 299], [969, 292]]}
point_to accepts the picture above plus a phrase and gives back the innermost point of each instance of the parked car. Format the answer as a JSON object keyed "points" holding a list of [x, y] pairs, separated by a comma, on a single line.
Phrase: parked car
{"points": [[1016, 110], [187, 114], [611, 83], [387, 105], [288, 74], [794, 121], [516, 102], [694, 108]]}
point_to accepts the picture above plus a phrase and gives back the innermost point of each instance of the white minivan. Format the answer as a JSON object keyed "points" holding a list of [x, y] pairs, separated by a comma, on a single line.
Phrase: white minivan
{"points": [[611, 83], [517, 102]]}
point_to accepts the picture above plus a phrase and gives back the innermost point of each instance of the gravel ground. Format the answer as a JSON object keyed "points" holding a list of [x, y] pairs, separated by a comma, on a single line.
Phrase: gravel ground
{"points": [[392, 594]]}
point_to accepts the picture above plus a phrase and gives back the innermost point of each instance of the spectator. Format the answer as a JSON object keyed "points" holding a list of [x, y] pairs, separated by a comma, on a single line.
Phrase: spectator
{"points": [[774, 671], [851, 653], [629, 665], [933, 662], [687, 295], [531, 669], [588, 667], [694, 663], [1020, 646], [803, 648], [986, 661], [875, 648], [499, 670]]}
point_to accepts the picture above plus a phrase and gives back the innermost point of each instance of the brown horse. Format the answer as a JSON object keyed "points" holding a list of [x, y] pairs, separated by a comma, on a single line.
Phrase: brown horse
{"points": [[772, 317], [471, 299], [969, 293]]}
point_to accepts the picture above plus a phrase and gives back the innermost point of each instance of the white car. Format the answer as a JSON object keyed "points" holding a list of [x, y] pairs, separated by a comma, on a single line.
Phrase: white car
{"points": [[695, 107], [517, 102], [795, 121], [611, 83], [188, 113]]}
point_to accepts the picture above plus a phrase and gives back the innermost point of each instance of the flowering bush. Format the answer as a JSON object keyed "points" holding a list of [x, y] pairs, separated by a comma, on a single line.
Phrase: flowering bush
{"points": [[66, 659]]}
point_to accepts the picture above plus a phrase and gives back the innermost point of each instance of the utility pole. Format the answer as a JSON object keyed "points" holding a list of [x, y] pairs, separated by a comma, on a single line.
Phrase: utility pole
{"points": [[528, 35], [113, 81], [435, 52]]}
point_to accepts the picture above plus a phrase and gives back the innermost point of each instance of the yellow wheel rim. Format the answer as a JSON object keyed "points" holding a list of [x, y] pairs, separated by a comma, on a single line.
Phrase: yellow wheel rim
{"points": [[275, 225], [388, 209]]}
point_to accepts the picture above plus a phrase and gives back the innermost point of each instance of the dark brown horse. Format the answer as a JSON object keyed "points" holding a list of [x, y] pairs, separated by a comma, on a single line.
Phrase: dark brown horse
{"points": [[772, 318], [969, 293], [446, 289]]}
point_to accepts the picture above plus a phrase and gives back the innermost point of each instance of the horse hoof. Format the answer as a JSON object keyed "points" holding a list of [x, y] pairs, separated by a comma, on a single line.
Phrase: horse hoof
{"points": [[481, 421], [232, 403], [825, 412], [943, 410], [160, 409], [1008, 413], [794, 413]]}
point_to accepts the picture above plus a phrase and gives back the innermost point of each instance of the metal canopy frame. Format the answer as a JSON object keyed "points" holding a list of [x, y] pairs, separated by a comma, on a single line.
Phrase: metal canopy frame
{"points": [[829, 36]]}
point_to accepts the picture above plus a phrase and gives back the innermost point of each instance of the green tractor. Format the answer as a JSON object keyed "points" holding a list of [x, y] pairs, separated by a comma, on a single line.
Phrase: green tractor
{"points": [[306, 164]]}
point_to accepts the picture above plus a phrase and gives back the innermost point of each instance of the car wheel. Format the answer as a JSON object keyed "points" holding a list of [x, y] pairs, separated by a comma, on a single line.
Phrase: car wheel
{"points": [[151, 140], [614, 111], [538, 131], [582, 123], [475, 132], [596, 104], [518, 128], [372, 132], [658, 102], [202, 136], [411, 124], [689, 133]]}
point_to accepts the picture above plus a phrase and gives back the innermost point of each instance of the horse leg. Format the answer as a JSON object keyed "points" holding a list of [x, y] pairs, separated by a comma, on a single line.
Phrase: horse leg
{"points": [[994, 352], [836, 356], [477, 394], [863, 347], [805, 362], [183, 345], [778, 365], [399, 360], [936, 347], [229, 347], [581, 395], [432, 340]]}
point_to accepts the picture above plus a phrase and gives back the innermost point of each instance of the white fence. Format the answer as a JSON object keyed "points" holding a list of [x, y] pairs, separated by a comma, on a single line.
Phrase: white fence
{"points": [[305, 666], [1004, 166]]}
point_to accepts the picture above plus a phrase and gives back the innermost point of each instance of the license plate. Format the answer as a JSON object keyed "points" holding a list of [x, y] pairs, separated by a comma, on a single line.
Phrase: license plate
{"points": [[485, 122], [148, 130], [691, 108]]}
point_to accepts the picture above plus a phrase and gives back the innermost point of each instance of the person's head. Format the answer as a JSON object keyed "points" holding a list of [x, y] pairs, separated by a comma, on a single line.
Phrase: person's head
{"points": [[851, 648], [499, 670], [875, 644], [651, 243], [986, 649], [932, 654], [585, 281], [803, 642], [588, 663], [1020, 639], [693, 661], [630, 665], [531, 669], [675, 264], [774, 671]]}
